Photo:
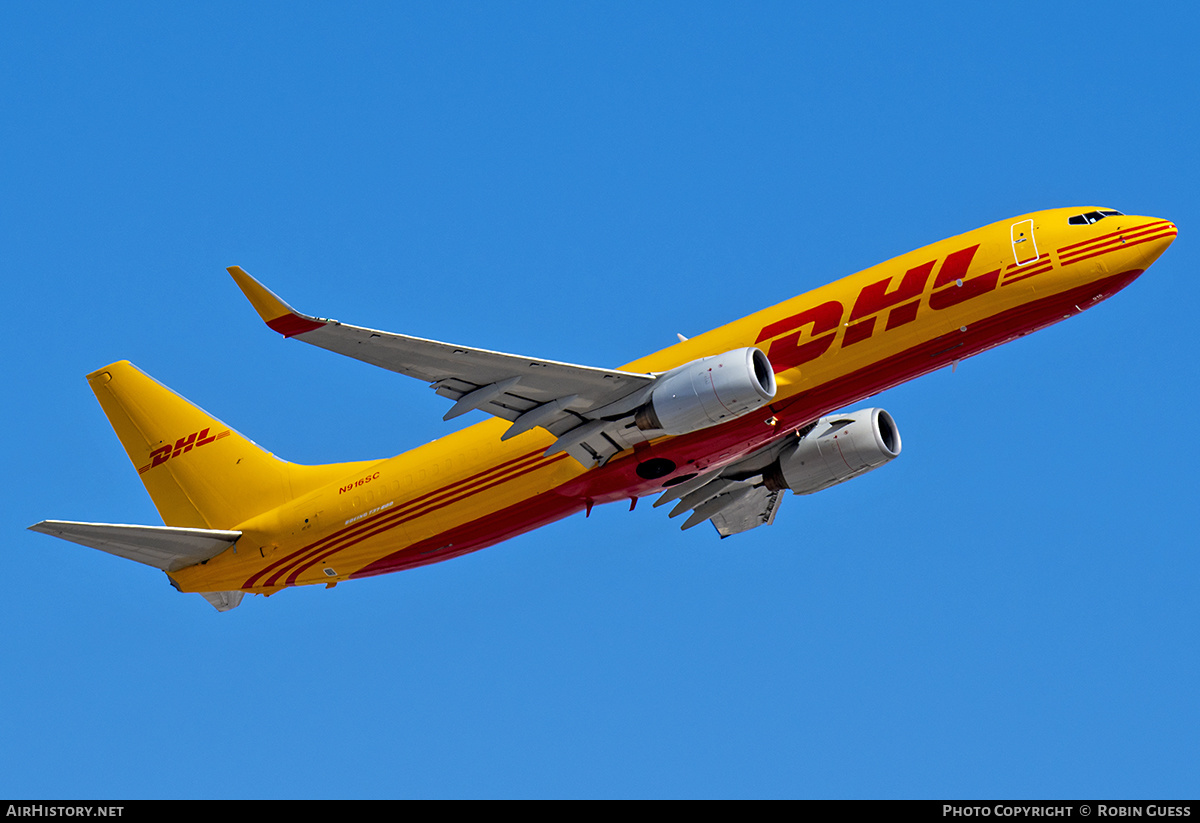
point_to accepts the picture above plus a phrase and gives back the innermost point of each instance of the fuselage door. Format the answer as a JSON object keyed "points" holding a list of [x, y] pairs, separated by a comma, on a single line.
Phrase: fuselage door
{"points": [[1024, 246]]}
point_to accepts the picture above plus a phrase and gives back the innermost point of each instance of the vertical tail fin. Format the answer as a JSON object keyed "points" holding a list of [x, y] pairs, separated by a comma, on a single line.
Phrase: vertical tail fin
{"points": [[198, 471]]}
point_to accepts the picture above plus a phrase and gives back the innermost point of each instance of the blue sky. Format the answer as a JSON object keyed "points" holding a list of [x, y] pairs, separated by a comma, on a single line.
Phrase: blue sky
{"points": [[1008, 610]]}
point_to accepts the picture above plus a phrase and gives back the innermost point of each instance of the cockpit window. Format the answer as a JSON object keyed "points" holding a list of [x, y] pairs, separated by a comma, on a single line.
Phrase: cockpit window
{"points": [[1093, 217]]}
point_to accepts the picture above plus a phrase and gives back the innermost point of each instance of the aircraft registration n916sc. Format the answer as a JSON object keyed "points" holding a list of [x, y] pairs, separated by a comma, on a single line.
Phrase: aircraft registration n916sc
{"points": [[718, 426]]}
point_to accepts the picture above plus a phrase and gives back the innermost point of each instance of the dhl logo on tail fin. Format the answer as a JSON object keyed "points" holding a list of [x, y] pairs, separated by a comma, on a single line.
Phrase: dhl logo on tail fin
{"points": [[212, 477], [182, 446]]}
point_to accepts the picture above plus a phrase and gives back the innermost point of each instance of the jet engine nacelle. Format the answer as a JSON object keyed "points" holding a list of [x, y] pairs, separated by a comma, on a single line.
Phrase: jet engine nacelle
{"points": [[708, 391], [838, 447]]}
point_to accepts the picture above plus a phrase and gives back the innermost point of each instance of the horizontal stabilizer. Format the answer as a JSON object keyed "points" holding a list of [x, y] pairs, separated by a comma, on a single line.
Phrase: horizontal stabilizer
{"points": [[164, 547]]}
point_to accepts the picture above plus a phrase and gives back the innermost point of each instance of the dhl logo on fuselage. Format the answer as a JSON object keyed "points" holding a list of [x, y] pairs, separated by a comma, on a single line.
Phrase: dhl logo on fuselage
{"points": [[811, 333], [183, 445]]}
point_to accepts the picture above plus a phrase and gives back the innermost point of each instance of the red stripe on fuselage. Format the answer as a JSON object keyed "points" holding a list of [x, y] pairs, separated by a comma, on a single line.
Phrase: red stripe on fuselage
{"points": [[538, 510], [413, 514], [1117, 238], [1028, 271], [1117, 233], [519, 464], [1124, 244], [407, 511]]}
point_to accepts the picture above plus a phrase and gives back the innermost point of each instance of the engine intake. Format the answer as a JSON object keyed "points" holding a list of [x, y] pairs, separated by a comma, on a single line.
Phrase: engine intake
{"points": [[838, 448], [708, 391]]}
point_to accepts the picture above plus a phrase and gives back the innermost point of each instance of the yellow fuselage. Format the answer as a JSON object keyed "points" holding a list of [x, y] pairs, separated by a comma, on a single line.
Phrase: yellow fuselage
{"points": [[830, 347]]}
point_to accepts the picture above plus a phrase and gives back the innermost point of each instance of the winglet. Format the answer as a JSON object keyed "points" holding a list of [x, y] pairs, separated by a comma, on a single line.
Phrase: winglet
{"points": [[275, 313]]}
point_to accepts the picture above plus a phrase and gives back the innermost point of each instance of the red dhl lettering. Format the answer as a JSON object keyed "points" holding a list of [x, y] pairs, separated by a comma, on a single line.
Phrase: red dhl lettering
{"points": [[788, 352], [877, 297], [809, 334], [954, 270], [181, 446]]}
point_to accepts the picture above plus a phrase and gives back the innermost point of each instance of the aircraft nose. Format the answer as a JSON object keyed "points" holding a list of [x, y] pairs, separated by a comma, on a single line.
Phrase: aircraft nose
{"points": [[1156, 236]]}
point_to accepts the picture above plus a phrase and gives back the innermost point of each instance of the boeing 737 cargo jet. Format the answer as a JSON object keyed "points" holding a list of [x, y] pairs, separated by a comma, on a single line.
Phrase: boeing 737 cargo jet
{"points": [[718, 426]]}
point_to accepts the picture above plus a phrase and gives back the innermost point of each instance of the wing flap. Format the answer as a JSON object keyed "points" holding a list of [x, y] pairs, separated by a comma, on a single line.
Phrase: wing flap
{"points": [[736, 498], [756, 508]]}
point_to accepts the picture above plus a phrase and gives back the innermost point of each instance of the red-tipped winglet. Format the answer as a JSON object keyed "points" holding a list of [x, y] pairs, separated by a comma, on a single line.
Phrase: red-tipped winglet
{"points": [[278, 315]]}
